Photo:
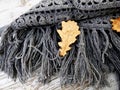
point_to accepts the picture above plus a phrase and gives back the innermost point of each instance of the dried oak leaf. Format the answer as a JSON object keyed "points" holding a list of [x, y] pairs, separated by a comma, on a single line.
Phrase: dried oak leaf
{"points": [[68, 34], [116, 24]]}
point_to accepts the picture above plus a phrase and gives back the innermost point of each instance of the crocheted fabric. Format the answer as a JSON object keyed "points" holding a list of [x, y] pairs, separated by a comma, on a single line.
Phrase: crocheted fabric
{"points": [[30, 44]]}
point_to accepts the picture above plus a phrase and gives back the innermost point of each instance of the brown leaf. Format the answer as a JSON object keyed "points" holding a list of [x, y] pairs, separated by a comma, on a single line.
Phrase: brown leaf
{"points": [[116, 24], [68, 34]]}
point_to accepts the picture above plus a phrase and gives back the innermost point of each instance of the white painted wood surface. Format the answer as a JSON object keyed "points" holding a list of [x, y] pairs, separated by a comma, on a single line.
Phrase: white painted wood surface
{"points": [[32, 84], [10, 10]]}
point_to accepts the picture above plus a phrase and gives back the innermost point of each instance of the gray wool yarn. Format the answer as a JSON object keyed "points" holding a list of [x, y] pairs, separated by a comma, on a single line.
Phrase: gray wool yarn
{"points": [[30, 44], [53, 11]]}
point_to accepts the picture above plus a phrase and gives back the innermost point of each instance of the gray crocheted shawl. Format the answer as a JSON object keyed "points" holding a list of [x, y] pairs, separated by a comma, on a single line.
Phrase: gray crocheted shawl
{"points": [[54, 11], [30, 44]]}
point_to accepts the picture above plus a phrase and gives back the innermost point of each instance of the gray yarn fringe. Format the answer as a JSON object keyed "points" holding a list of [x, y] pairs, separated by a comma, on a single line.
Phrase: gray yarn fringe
{"points": [[35, 50], [84, 63], [25, 52]]}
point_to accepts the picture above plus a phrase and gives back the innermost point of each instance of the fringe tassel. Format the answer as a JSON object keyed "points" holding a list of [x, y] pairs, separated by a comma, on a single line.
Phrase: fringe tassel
{"points": [[84, 63], [35, 50], [25, 52]]}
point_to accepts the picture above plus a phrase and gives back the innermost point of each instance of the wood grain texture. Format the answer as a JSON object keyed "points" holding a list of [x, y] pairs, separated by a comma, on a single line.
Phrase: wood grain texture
{"points": [[7, 15], [32, 84]]}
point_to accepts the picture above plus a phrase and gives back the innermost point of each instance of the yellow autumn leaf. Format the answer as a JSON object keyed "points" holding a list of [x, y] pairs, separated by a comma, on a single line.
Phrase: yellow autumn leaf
{"points": [[116, 24], [68, 34]]}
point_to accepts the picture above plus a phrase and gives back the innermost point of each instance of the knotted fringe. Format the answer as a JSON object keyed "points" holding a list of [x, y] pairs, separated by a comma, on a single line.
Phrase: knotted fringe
{"points": [[35, 50], [84, 64], [24, 52], [91, 58]]}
